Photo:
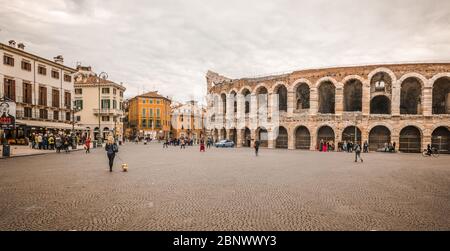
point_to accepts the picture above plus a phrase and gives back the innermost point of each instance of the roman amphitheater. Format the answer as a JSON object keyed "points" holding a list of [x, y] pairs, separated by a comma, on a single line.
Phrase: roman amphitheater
{"points": [[404, 103]]}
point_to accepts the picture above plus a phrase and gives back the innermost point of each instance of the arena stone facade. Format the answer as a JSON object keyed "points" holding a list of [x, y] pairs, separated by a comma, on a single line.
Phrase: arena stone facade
{"points": [[404, 103]]}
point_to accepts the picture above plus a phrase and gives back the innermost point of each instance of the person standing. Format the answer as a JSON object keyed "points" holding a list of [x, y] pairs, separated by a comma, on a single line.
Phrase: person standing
{"points": [[87, 145], [366, 147], [256, 147], [111, 149], [183, 142], [51, 142], [393, 147], [357, 149], [202, 145]]}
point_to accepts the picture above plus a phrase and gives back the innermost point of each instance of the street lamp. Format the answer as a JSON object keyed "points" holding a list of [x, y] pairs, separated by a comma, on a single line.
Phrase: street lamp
{"points": [[104, 76]]}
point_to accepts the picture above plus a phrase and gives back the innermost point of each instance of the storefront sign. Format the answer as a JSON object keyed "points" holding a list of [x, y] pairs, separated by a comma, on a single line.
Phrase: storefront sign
{"points": [[7, 114]]}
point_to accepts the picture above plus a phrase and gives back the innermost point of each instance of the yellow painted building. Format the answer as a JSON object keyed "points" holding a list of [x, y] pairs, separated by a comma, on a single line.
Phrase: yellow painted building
{"points": [[149, 115]]}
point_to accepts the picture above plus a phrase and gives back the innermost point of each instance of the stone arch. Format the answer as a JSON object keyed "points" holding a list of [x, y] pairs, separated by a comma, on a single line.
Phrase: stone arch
{"points": [[294, 85], [379, 137], [281, 140], [233, 96], [441, 95], [410, 139], [246, 92], [388, 71], [302, 96], [223, 99], [380, 104], [350, 77], [411, 94], [223, 133], [233, 135], [353, 93], [262, 101], [302, 137], [348, 134], [326, 96], [440, 139], [262, 135], [325, 133], [282, 91]]}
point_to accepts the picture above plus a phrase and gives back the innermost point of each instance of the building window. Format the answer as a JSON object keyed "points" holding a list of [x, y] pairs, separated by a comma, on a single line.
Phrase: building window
{"points": [[68, 116], [78, 91], [150, 101], [55, 98], [27, 111], [26, 66], [55, 115], [114, 104], [105, 90], [114, 91], [151, 112], [55, 74], [150, 123], [43, 114], [67, 100], [143, 112], [42, 96], [158, 123], [106, 104], [144, 123], [9, 88], [42, 70], [143, 101], [8, 60], [67, 78], [78, 118], [79, 104], [121, 93], [27, 92], [157, 102], [105, 118], [157, 113]]}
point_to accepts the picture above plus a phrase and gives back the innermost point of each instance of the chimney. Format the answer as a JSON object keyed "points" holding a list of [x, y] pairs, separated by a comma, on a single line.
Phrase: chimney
{"points": [[59, 59], [12, 43], [21, 46]]}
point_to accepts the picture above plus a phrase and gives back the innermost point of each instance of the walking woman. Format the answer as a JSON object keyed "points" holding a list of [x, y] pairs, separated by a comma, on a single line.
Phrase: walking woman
{"points": [[111, 150], [202, 145]]}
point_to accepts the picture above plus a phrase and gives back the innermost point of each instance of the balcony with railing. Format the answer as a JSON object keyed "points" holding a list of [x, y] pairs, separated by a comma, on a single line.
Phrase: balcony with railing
{"points": [[108, 111]]}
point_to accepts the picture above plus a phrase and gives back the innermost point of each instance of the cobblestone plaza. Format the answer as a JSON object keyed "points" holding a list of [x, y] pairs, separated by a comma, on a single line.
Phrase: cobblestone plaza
{"points": [[224, 189]]}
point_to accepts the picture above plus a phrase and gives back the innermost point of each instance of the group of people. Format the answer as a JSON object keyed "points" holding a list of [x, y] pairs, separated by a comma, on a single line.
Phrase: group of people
{"points": [[349, 146], [58, 142], [325, 146]]}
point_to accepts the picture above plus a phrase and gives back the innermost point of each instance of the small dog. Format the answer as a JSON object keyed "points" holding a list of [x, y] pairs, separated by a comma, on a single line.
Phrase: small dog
{"points": [[125, 167]]}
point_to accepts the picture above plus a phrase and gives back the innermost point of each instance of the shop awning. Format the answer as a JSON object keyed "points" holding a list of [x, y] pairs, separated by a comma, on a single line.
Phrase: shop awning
{"points": [[47, 124]]}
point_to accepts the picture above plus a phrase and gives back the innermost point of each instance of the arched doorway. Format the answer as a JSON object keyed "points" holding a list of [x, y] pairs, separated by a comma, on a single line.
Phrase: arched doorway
{"points": [[302, 97], [223, 133], [410, 140], [262, 101], [282, 138], [223, 98], [327, 93], [380, 105], [349, 134], [282, 97], [411, 96], [353, 95], [247, 138], [216, 135], [325, 134], [247, 95], [378, 137], [234, 98], [441, 96], [440, 139], [302, 138], [105, 132], [262, 136]]}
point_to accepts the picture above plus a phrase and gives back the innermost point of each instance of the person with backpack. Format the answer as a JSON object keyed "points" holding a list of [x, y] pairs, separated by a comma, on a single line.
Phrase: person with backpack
{"points": [[357, 149], [111, 149]]}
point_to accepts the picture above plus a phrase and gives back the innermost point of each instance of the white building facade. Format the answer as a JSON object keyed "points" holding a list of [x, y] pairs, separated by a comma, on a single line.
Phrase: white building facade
{"points": [[99, 101], [42, 89]]}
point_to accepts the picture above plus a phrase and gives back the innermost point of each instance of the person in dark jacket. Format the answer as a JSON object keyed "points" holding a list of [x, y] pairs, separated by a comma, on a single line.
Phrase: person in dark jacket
{"points": [[111, 150], [256, 147]]}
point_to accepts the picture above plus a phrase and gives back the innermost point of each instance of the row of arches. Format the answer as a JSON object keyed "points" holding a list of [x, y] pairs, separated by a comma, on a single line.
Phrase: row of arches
{"points": [[411, 95], [410, 137]]}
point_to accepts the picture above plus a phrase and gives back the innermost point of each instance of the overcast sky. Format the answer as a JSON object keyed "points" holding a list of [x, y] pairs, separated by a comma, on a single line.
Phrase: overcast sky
{"points": [[169, 45]]}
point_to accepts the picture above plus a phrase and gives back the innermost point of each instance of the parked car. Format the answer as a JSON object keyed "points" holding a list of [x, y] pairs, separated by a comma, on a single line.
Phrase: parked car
{"points": [[225, 143]]}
